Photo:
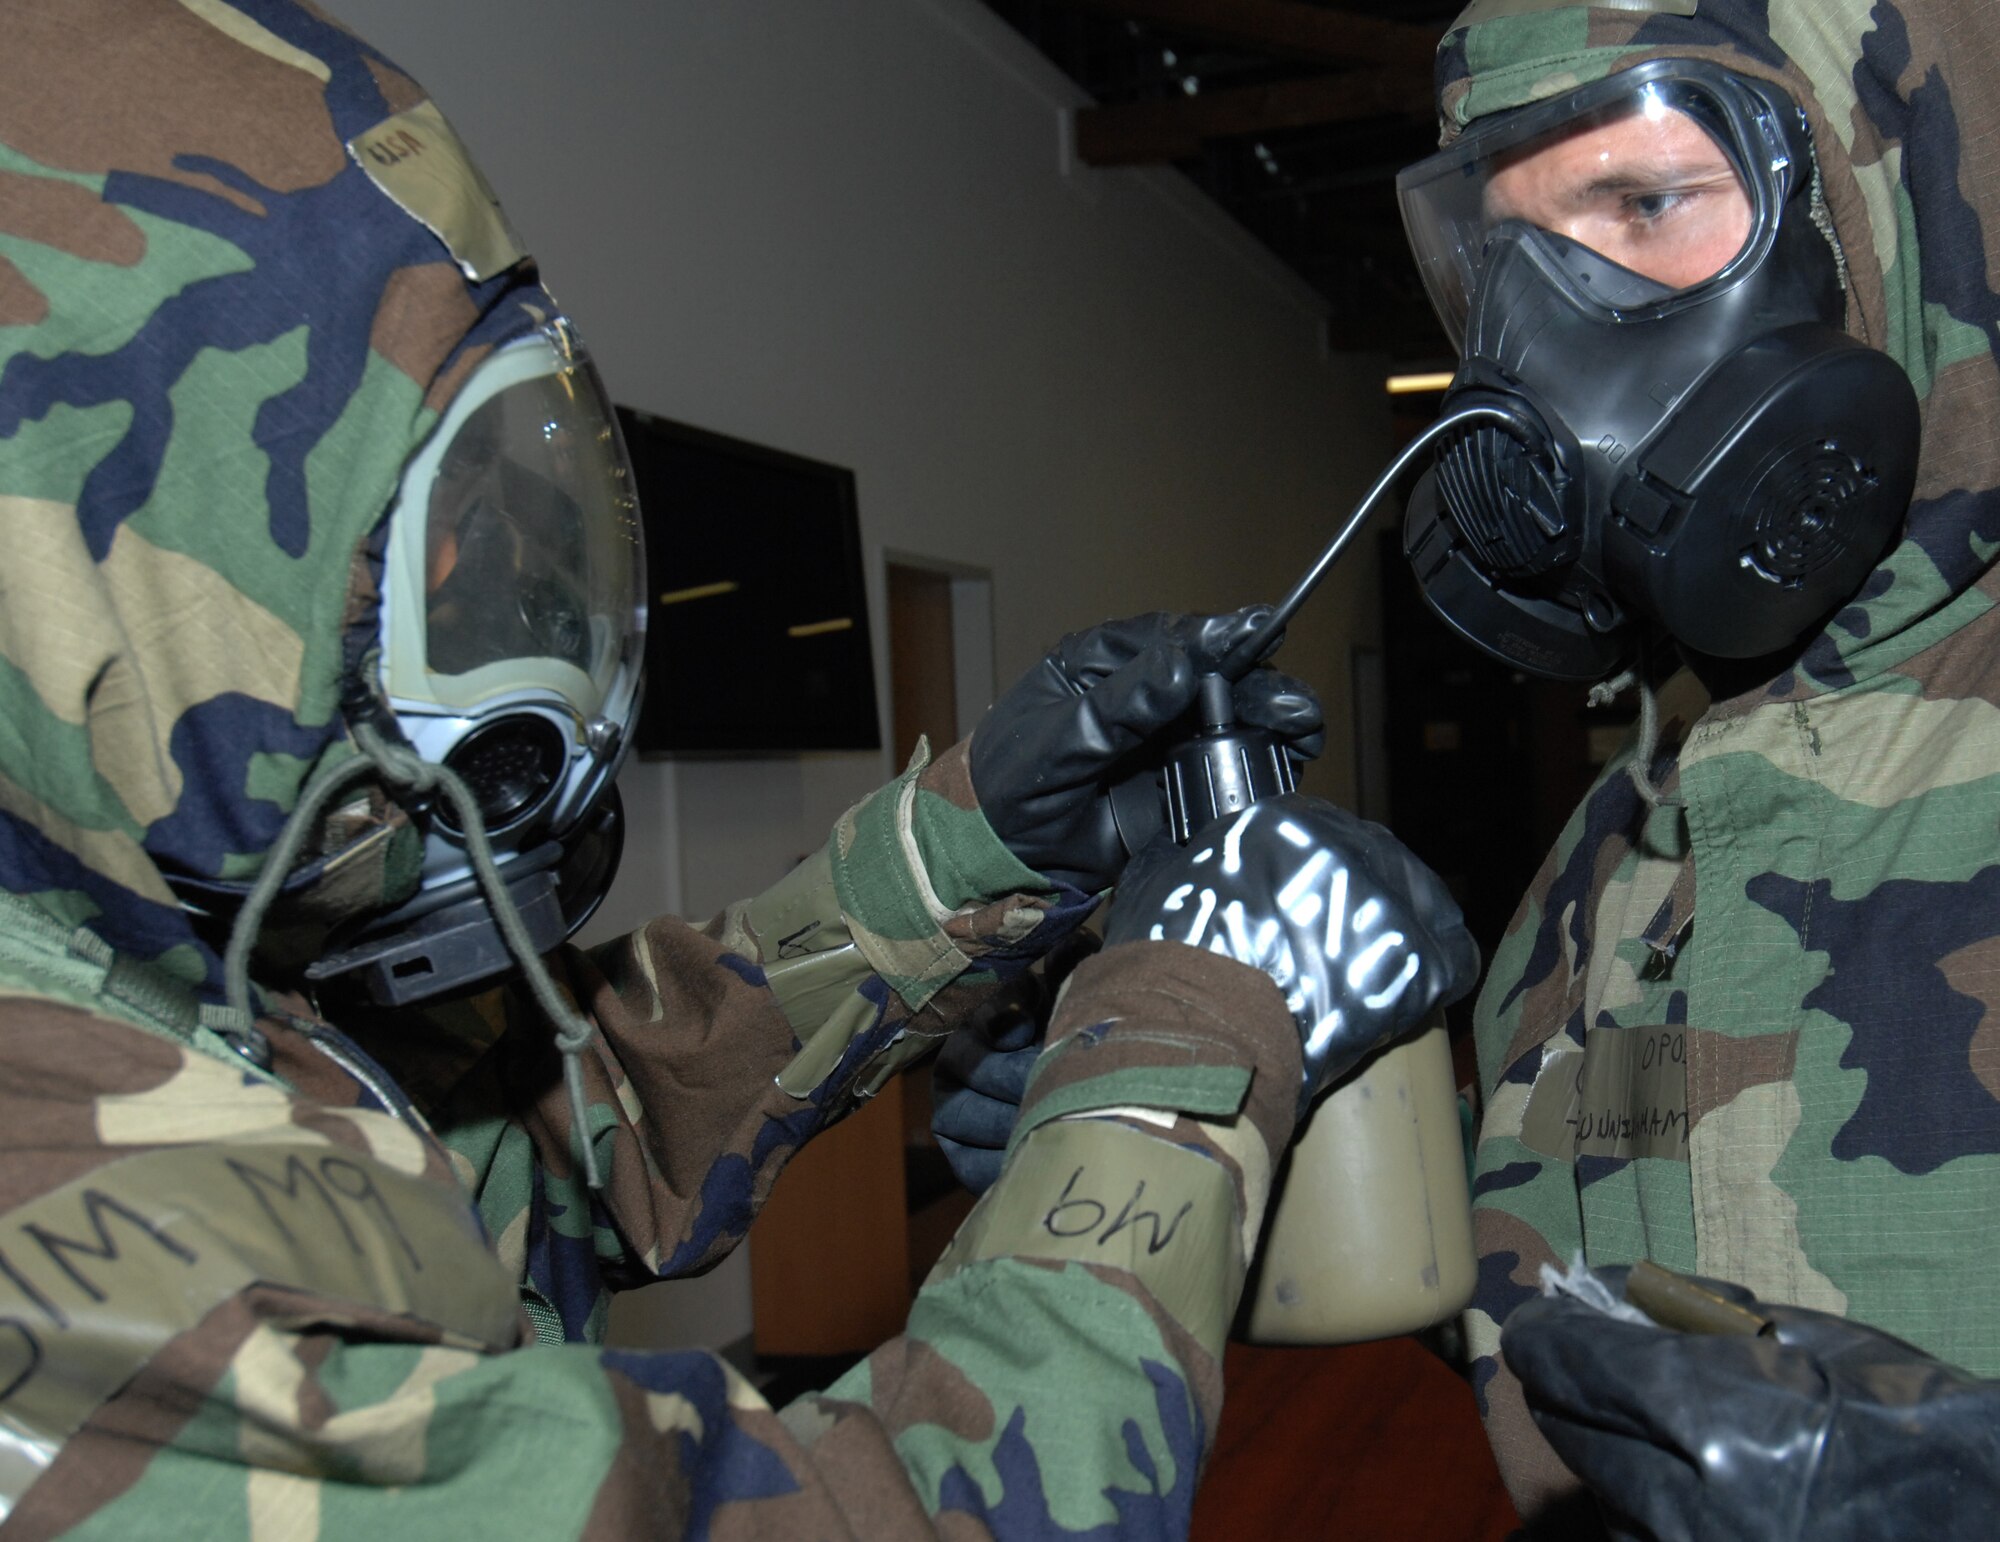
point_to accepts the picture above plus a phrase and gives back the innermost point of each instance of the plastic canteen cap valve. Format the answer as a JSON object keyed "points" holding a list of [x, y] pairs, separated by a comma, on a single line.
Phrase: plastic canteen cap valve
{"points": [[1363, 939], [1043, 756]]}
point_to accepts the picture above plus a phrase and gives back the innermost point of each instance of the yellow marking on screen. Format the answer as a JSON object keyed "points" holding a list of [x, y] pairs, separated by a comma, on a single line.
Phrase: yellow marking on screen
{"points": [[699, 592]]}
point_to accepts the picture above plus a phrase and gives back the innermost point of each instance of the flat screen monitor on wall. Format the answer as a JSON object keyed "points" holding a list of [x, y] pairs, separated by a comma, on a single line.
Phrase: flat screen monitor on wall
{"points": [[757, 635]]}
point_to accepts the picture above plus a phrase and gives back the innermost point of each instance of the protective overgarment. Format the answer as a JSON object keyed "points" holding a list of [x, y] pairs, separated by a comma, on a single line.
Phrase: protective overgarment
{"points": [[258, 1278], [1751, 1032]]}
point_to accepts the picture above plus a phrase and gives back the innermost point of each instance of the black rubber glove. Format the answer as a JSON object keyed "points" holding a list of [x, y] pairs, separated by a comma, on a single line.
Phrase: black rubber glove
{"points": [[1362, 938], [981, 1074], [1819, 1429], [977, 1085], [1043, 756]]}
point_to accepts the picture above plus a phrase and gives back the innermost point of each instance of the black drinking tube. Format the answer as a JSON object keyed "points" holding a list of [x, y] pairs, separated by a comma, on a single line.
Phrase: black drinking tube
{"points": [[1253, 648]]}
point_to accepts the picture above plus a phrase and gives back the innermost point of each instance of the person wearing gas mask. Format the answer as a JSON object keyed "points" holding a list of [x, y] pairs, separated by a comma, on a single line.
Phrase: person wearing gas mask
{"points": [[1718, 273], [319, 650]]}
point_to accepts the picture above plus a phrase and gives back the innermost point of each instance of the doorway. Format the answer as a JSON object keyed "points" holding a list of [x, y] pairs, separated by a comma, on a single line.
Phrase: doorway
{"points": [[868, 1207], [941, 681]]}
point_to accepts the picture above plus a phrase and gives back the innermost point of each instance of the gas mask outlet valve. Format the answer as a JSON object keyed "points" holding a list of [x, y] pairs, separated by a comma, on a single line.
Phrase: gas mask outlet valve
{"points": [[511, 765]]}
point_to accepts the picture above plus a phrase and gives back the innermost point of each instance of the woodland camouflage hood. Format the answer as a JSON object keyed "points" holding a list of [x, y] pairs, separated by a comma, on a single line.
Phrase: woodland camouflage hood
{"points": [[1885, 87], [223, 330]]}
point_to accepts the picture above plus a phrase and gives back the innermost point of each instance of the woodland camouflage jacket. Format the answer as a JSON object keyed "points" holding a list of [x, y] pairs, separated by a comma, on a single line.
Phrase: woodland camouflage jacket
{"points": [[353, 1295], [1755, 1032]]}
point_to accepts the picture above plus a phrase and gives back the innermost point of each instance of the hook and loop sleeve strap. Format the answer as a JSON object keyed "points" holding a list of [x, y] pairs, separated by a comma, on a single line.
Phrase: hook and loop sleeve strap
{"points": [[909, 893], [1164, 1026], [916, 855]]}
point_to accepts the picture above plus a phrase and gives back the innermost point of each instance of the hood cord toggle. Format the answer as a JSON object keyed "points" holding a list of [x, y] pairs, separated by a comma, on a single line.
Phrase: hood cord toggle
{"points": [[408, 772]]}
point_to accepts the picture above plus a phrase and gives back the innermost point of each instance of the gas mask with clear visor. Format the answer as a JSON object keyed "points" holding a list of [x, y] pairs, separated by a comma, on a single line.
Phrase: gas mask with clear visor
{"points": [[513, 628], [1677, 430]]}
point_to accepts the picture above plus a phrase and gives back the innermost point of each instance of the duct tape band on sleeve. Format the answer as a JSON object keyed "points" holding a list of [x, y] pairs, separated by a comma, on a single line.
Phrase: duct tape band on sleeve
{"points": [[1097, 1192]]}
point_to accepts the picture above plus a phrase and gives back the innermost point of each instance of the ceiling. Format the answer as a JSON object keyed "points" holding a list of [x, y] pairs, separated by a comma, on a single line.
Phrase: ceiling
{"points": [[1293, 115]]}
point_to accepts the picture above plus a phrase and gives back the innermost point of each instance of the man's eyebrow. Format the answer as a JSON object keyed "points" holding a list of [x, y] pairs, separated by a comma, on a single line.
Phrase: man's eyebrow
{"points": [[1614, 183], [1652, 178]]}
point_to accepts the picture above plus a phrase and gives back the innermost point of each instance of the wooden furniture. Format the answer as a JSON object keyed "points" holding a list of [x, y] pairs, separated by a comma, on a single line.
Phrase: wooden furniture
{"points": [[1359, 1442]]}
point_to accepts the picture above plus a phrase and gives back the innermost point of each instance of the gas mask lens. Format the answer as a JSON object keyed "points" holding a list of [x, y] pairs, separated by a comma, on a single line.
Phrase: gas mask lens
{"points": [[530, 546], [1645, 174], [530, 572], [511, 650]]}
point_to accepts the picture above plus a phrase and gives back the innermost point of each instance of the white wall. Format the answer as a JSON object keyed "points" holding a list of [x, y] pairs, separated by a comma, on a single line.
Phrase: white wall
{"points": [[846, 228]]}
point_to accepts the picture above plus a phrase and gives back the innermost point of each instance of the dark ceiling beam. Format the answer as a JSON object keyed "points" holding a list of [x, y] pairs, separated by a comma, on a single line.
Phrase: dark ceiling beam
{"points": [[1282, 29], [1142, 133], [1377, 174]]}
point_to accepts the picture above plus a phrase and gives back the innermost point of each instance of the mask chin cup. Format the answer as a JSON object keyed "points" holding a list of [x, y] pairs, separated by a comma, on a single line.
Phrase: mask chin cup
{"points": [[1770, 496], [448, 941], [1537, 633]]}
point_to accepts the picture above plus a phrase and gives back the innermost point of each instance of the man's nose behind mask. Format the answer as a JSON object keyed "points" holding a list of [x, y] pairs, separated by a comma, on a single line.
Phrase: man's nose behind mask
{"points": [[1634, 276]]}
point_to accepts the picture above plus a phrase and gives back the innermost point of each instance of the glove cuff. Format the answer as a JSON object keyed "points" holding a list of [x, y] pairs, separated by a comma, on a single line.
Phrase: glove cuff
{"points": [[925, 885], [966, 863]]}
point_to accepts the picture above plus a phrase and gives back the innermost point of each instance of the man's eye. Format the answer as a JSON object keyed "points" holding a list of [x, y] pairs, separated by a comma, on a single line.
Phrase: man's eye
{"points": [[1651, 206]]}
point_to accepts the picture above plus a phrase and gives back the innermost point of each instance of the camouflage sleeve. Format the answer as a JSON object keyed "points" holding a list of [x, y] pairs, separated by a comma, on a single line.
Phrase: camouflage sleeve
{"points": [[1061, 1372], [294, 1328], [724, 1048]]}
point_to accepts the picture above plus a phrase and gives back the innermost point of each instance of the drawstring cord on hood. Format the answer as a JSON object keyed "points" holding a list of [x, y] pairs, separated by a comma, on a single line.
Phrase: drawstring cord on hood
{"points": [[1647, 744], [407, 771]]}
